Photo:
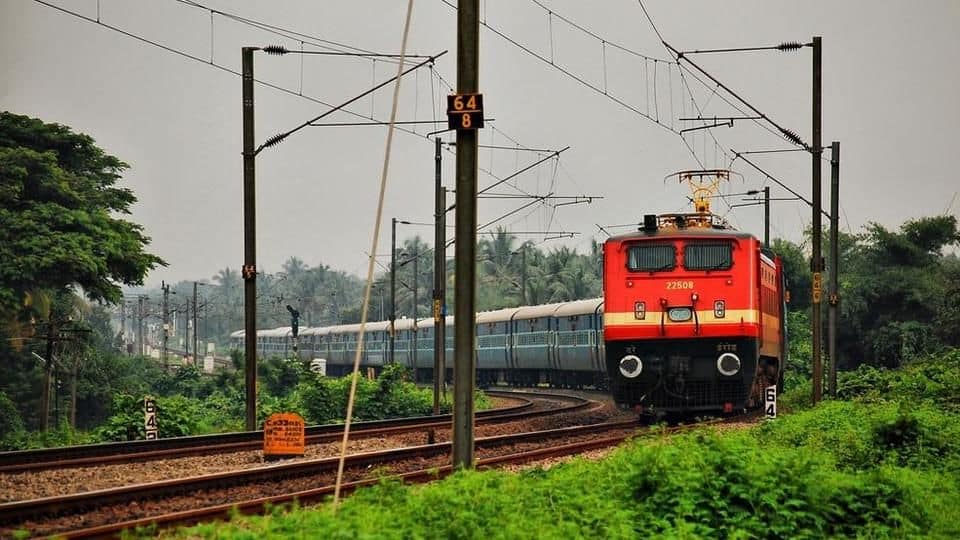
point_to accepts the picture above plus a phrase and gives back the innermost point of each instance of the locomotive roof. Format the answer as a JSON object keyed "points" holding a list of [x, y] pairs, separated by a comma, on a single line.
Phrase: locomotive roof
{"points": [[688, 232]]}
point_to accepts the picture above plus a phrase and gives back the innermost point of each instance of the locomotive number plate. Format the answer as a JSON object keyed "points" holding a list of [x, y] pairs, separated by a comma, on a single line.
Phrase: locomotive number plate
{"points": [[677, 285]]}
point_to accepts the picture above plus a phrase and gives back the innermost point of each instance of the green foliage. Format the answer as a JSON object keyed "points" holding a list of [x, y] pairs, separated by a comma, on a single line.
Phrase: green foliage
{"points": [[10, 421], [278, 376], [897, 286], [324, 400], [934, 379], [772, 482], [886, 465], [58, 202], [796, 270], [176, 416], [11, 424]]}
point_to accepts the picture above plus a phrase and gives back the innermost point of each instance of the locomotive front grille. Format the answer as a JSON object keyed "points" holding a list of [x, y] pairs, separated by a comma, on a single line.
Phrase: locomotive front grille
{"points": [[695, 394]]}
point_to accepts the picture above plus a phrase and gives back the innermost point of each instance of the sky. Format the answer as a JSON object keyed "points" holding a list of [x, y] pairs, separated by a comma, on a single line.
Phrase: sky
{"points": [[593, 76]]}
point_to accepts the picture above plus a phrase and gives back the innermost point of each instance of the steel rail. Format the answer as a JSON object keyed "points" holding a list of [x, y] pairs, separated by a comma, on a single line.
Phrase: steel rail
{"points": [[318, 495], [142, 450], [20, 511]]}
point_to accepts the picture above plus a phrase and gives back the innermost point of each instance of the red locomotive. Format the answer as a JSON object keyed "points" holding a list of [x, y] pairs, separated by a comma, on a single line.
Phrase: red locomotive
{"points": [[693, 312]]}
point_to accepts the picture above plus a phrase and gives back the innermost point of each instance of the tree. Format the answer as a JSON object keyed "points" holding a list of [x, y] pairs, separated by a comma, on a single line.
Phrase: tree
{"points": [[898, 295], [58, 207], [60, 233]]}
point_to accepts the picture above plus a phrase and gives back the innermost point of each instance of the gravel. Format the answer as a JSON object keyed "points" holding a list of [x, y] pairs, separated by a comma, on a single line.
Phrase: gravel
{"points": [[46, 483]]}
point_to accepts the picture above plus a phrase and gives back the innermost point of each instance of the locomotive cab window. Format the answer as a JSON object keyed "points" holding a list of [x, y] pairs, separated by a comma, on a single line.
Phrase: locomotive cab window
{"points": [[712, 256], [651, 257]]}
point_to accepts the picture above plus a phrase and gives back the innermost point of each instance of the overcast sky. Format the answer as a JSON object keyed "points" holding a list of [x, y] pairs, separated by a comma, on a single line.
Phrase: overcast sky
{"points": [[890, 96]]}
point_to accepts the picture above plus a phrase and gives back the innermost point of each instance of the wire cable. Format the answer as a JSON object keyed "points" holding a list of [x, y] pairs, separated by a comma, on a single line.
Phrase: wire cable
{"points": [[372, 259], [567, 72]]}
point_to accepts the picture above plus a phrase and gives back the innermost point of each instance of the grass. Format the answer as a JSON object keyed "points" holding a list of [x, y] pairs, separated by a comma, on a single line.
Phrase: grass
{"points": [[864, 471]]}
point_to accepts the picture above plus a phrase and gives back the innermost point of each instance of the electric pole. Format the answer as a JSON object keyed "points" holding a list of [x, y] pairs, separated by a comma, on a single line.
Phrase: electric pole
{"points": [[140, 325], [196, 342], [816, 260], [834, 300], [393, 288], [249, 240], [464, 366], [415, 286], [186, 329], [523, 273], [439, 281], [166, 324], [766, 217], [123, 326], [47, 369]]}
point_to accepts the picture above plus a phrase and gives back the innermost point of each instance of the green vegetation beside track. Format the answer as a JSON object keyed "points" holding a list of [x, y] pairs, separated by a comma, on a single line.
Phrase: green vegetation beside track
{"points": [[883, 464]]}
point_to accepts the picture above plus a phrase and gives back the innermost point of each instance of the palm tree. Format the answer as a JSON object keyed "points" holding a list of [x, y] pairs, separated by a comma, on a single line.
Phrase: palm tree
{"points": [[499, 271], [228, 293]]}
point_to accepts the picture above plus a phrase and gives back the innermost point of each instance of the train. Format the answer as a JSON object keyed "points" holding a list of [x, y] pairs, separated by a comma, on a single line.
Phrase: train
{"points": [[559, 344], [692, 320], [694, 312]]}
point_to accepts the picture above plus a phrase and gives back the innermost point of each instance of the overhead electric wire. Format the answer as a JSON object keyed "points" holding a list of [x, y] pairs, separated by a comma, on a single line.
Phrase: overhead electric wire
{"points": [[566, 72], [211, 63], [401, 72], [206, 62], [682, 68], [287, 33]]}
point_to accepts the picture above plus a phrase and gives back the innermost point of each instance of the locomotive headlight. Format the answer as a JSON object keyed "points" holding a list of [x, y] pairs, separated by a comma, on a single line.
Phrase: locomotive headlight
{"points": [[728, 364], [680, 314], [640, 310], [631, 366], [719, 309]]}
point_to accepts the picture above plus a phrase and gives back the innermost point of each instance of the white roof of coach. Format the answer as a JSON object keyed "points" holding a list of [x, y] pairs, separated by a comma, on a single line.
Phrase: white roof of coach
{"points": [[315, 331], [579, 307], [497, 315], [283, 331], [535, 312]]}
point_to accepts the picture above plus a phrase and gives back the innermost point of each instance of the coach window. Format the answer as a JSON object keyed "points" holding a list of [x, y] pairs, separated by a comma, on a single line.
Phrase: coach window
{"points": [[713, 256], [651, 258]]}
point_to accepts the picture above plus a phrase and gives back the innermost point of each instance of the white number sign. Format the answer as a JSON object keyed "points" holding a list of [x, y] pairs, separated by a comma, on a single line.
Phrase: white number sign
{"points": [[150, 418], [770, 401]]}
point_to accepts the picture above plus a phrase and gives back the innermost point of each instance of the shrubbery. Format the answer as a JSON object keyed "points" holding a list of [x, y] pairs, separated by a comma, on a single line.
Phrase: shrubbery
{"points": [[885, 465], [863, 476], [319, 399]]}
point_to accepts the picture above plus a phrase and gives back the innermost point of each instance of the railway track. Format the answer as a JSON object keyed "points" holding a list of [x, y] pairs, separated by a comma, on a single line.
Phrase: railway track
{"points": [[134, 451], [111, 511]]}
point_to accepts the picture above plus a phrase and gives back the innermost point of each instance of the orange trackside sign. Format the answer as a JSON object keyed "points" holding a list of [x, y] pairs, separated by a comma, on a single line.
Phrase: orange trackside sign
{"points": [[283, 435]]}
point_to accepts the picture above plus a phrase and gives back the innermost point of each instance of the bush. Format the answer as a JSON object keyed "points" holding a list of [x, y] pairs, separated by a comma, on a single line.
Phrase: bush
{"points": [[323, 400], [859, 437], [11, 423], [933, 379], [177, 416], [703, 485]]}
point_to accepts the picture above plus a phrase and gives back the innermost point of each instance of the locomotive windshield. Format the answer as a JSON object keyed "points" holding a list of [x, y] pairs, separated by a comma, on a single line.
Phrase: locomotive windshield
{"points": [[651, 258], [713, 256]]}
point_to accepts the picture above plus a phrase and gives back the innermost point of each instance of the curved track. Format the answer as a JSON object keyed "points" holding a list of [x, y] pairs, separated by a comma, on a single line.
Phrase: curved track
{"points": [[131, 451], [201, 498]]}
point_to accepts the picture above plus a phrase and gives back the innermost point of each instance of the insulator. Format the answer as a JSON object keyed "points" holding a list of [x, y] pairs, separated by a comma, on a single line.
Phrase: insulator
{"points": [[789, 46], [274, 140], [792, 137], [275, 49]]}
